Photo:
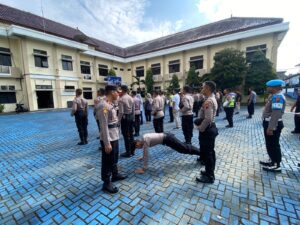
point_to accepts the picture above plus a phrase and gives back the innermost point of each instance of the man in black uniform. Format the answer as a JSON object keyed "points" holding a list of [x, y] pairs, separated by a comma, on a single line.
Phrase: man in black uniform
{"points": [[296, 106], [208, 132], [126, 119], [109, 136]]}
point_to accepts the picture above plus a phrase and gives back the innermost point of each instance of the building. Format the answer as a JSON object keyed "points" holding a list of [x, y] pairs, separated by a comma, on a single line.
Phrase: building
{"points": [[42, 62]]}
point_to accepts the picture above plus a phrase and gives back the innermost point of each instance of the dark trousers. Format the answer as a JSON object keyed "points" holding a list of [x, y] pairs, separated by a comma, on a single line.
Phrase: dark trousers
{"points": [[171, 141], [171, 114], [187, 128], [251, 109], [148, 115], [272, 142], [127, 132], [81, 123], [141, 116], [207, 148], [297, 123], [137, 124], [196, 108], [158, 125], [109, 161], [229, 115]]}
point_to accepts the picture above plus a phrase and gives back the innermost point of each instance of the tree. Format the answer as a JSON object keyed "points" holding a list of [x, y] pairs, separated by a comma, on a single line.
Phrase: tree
{"points": [[260, 70], [229, 69], [149, 81], [138, 82], [112, 72], [193, 78], [174, 84]]}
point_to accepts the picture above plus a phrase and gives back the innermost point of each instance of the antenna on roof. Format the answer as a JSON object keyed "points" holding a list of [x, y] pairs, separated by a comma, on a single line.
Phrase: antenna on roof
{"points": [[44, 26]]}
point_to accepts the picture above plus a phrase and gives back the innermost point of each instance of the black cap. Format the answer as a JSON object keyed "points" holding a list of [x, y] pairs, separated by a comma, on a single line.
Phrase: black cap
{"points": [[124, 87], [110, 88]]}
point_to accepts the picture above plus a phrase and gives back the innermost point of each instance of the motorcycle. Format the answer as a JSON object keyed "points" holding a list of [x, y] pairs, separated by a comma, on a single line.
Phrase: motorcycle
{"points": [[20, 108]]}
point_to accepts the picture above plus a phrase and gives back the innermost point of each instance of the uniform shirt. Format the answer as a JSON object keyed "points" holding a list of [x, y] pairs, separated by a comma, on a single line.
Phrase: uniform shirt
{"points": [[188, 102], [79, 103], [150, 139], [252, 97], [176, 101], [97, 102], [137, 105], [107, 115], [274, 109], [126, 106], [208, 112], [157, 107]]}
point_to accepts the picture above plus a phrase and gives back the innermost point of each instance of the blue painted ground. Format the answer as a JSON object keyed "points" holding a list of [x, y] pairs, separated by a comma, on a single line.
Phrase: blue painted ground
{"points": [[45, 178]]}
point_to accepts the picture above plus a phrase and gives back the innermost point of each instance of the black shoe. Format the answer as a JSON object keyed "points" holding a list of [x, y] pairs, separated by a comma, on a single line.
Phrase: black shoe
{"points": [[237, 112], [228, 126], [275, 167], [203, 172], [205, 179], [266, 163], [98, 137], [125, 155], [249, 117], [86, 142], [118, 177], [80, 143], [136, 135], [109, 187], [295, 132], [100, 148], [298, 164]]}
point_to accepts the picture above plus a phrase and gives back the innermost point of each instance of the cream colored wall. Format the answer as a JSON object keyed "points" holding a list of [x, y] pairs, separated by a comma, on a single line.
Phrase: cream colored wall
{"points": [[19, 93], [260, 40], [70, 52], [195, 52], [33, 44]]}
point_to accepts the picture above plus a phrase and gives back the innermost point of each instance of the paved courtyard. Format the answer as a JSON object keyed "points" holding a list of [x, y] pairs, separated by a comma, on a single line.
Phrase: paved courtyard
{"points": [[45, 178]]}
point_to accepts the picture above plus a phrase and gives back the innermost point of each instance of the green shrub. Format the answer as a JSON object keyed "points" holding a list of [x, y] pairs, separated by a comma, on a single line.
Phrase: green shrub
{"points": [[1, 108]]}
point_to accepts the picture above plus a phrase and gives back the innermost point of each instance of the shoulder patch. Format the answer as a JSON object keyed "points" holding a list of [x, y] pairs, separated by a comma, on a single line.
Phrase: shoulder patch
{"points": [[105, 110], [206, 104]]}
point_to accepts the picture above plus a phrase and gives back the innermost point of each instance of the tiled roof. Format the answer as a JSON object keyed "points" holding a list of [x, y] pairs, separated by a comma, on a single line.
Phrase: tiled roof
{"points": [[231, 25]]}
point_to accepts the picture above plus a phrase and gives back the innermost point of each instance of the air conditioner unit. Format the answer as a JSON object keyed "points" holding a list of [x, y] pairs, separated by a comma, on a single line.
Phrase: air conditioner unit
{"points": [[201, 72], [4, 69], [87, 77]]}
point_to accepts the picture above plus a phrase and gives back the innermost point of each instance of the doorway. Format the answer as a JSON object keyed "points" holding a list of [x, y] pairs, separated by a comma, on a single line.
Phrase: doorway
{"points": [[44, 99]]}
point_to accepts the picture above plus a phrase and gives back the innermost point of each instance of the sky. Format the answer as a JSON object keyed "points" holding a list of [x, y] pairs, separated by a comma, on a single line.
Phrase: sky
{"points": [[128, 22]]}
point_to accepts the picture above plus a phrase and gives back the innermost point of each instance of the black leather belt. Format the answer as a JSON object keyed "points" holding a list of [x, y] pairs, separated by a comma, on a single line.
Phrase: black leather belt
{"points": [[110, 126]]}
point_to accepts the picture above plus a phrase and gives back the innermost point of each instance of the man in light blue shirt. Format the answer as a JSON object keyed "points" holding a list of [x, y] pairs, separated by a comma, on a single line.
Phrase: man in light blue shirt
{"points": [[176, 109]]}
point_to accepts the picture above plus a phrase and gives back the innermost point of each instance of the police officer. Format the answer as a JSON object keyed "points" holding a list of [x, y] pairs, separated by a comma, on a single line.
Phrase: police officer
{"points": [[137, 113], [208, 132], [158, 113], [296, 106], [80, 111], [126, 118], [272, 123], [187, 114], [109, 136], [229, 106]]}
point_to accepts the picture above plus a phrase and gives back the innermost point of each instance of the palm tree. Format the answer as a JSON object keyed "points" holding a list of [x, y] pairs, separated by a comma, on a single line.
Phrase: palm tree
{"points": [[138, 82]]}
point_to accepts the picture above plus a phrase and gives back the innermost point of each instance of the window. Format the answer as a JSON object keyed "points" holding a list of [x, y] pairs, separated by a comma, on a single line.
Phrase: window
{"points": [[5, 57], [155, 68], [103, 70], [67, 62], [87, 93], [7, 94], [40, 58], [70, 88], [129, 69], [85, 67], [157, 88], [115, 68], [174, 66], [139, 71], [250, 51], [197, 62], [121, 69]]}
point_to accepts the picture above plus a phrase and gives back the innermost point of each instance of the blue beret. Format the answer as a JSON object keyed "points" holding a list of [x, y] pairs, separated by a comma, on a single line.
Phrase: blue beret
{"points": [[275, 83]]}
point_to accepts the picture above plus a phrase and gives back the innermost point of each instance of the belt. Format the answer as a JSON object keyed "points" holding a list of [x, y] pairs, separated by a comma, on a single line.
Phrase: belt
{"points": [[269, 119], [110, 126]]}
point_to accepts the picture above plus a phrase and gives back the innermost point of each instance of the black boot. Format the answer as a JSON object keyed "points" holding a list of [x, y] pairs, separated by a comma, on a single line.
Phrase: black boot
{"points": [[109, 187], [126, 155], [119, 176], [81, 139]]}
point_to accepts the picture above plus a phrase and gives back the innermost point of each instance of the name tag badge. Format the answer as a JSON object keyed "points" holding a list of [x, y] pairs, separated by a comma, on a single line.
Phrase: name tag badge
{"points": [[277, 102]]}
